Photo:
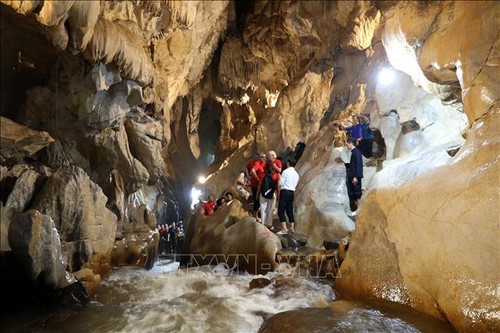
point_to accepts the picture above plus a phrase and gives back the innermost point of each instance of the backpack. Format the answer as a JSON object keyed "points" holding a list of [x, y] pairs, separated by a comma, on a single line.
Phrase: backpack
{"points": [[268, 186]]}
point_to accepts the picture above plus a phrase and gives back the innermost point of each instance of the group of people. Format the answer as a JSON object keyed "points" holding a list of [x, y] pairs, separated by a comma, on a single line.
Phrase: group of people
{"points": [[171, 237], [269, 184], [362, 135], [211, 205]]}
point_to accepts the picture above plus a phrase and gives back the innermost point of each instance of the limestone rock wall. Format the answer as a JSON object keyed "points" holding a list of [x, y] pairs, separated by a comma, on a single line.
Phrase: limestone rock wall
{"points": [[115, 70], [133, 93], [444, 247], [430, 93]]}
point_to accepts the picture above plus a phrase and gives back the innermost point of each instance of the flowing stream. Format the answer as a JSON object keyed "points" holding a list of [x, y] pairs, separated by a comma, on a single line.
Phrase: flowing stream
{"points": [[215, 299]]}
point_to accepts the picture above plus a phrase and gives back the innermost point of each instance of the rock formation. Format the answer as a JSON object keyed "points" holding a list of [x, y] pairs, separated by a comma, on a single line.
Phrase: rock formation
{"points": [[111, 110], [231, 237]]}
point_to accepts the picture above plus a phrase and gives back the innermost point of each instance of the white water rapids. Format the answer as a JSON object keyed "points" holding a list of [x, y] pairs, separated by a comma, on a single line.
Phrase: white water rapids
{"points": [[207, 299]]}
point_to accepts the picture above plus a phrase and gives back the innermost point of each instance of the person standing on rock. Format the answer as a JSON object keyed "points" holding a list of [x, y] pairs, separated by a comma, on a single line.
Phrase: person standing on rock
{"points": [[274, 162], [354, 175], [287, 184], [256, 175], [355, 131], [267, 194], [241, 183], [366, 144]]}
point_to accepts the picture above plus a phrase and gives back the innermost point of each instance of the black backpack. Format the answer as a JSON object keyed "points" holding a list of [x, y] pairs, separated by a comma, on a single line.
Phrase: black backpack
{"points": [[268, 186]]}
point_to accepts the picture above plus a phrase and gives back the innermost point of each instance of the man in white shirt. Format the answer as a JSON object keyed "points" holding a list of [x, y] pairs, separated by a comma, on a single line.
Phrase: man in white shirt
{"points": [[288, 182]]}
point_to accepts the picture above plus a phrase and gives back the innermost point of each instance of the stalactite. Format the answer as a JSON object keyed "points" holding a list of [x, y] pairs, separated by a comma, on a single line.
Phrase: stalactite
{"points": [[182, 13]]}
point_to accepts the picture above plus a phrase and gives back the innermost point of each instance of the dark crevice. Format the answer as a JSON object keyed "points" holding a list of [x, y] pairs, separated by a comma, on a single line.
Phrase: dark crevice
{"points": [[209, 130], [6, 186], [26, 59], [242, 8], [39, 7]]}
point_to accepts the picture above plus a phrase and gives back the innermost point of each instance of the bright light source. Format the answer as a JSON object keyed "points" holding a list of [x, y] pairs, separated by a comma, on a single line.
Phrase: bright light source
{"points": [[202, 179], [386, 76], [195, 195]]}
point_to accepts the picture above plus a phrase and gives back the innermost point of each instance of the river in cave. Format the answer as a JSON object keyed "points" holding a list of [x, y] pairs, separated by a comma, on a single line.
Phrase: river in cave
{"points": [[215, 299]]}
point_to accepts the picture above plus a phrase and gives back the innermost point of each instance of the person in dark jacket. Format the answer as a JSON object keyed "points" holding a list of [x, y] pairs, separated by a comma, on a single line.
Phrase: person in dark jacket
{"points": [[366, 144], [354, 175], [172, 235], [355, 131]]}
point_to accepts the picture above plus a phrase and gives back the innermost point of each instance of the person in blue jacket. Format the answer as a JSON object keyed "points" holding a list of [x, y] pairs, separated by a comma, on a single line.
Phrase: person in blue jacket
{"points": [[355, 131], [354, 175]]}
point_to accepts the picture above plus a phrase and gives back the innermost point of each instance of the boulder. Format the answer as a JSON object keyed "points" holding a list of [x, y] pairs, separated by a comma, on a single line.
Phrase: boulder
{"points": [[361, 316], [136, 248], [18, 141], [78, 208], [36, 244], [231, 237], [259, 283]]}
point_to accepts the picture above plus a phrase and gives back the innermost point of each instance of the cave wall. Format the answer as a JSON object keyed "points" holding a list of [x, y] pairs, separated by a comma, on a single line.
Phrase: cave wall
{"points": [[429, 226], [94, 84], [123, 87]]}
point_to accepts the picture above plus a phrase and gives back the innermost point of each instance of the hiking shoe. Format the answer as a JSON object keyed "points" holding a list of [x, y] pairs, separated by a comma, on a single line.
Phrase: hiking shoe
{"points": [[281, 232]]}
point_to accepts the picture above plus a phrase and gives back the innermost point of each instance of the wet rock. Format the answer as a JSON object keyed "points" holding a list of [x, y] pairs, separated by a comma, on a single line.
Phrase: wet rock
{"points": [[72, 295], [89, 280], [352, 316], [324, 264], [311, 262], [301, 238], [78, 207], [35, 241], [331, 244], [259, 283], [254, 241], [289, 241], [452, 151], [136, 248]]}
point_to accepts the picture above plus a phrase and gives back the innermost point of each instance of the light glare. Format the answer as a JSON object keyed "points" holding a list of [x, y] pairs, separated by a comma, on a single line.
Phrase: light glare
{"points": [[386, 76], [195, 195], [202, 179]]}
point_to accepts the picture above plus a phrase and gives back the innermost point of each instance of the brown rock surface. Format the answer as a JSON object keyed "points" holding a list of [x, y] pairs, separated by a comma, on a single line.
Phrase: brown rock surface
{"points": [[78, 208], [18, 141], [142, 97], [429, 227], [339, 316], [36, 244], [232, 237], [435, 247]]}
